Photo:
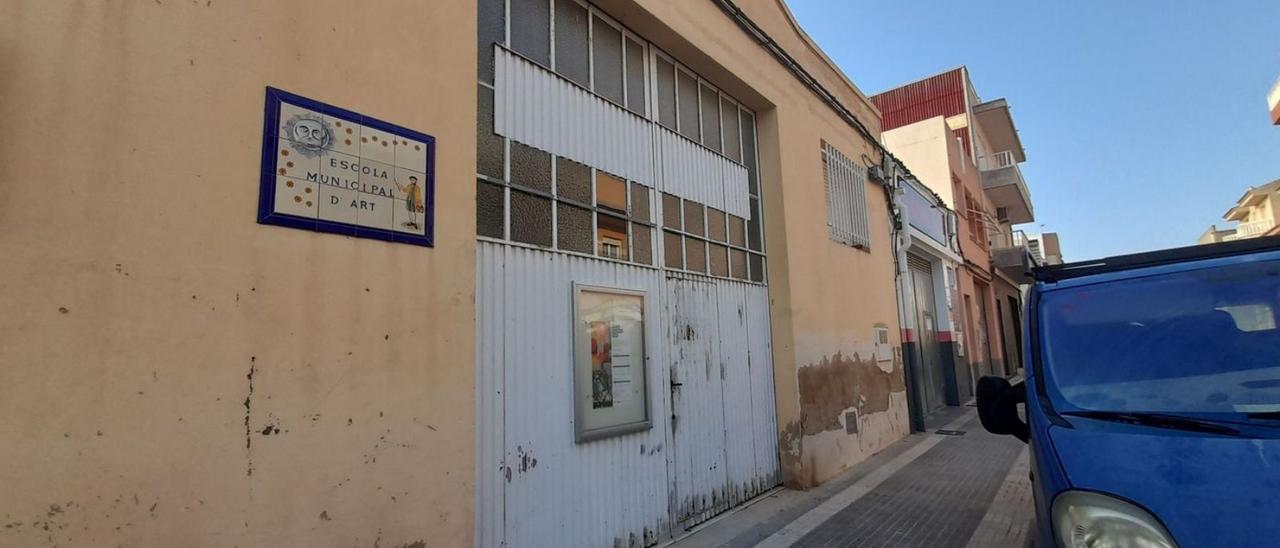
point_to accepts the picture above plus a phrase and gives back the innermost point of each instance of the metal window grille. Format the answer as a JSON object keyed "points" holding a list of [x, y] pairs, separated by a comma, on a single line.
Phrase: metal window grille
{"points": [[846, 183]]}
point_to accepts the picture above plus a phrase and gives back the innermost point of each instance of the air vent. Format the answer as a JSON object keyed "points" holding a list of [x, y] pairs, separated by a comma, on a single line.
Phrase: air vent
{"points": [[851, 422]]}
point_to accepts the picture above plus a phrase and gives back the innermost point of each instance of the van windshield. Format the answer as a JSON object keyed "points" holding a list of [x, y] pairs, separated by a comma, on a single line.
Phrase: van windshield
{"points": [[1202, 341]]}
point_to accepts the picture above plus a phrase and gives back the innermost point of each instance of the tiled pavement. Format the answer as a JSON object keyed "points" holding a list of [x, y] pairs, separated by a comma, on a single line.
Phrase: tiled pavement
{"points": [[930, 491]]}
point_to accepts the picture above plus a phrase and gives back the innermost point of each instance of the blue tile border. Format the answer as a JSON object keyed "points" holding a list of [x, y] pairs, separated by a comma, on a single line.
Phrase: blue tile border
{"points": [[267, 190]]}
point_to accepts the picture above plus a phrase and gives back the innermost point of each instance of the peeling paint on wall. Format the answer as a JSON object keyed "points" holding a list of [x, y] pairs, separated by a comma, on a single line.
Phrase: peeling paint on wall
{"points": [[821, 444], [790, 447], [842, 382]]}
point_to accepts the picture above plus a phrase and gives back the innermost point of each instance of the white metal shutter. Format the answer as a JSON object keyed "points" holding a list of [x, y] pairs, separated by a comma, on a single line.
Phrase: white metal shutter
{"points": [[846, 184]]}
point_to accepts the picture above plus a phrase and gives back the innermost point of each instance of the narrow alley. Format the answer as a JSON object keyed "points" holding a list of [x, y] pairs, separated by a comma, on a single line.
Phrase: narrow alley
{"points": [[954, 485]]}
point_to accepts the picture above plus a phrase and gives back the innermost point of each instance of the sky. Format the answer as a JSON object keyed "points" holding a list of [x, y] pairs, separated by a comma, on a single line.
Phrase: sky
{"points": [[1143, 120]]}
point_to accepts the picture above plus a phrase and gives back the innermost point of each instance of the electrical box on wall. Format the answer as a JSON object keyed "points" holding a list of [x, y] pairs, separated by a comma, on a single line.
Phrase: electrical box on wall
{"points": [[884, 347]]}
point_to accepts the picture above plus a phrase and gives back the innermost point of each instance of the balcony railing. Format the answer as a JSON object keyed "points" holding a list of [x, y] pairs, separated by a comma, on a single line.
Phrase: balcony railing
{"points": [[1253, 229], [1249, 230], [1013, 238], [996, 161], [1011, 254], [1003, 183]]}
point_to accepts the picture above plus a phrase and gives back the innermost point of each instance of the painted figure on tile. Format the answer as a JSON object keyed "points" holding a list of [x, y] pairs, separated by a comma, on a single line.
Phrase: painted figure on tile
{"points": [[412, 200]]}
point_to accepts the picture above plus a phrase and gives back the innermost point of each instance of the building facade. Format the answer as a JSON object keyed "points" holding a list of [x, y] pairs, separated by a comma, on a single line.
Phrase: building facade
{"points": [[524, 272], [1214, 234], [657, 154], [1253, 215], [1045, 248], [927, 295], [968, 151]]}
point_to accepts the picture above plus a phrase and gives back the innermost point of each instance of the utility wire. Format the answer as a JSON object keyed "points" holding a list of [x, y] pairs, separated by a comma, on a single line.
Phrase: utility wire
{"points": [[772, 46]]}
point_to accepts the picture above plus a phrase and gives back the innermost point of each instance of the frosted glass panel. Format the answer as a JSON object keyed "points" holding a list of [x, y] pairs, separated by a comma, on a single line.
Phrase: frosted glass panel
{"points": [[573, 228], [606, 43], [571, 41], [573, 180], [530, 219]]}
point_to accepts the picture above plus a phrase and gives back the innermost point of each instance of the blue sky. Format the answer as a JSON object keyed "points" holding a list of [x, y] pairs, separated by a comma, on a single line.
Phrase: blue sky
{"points": [[1143, 120]]}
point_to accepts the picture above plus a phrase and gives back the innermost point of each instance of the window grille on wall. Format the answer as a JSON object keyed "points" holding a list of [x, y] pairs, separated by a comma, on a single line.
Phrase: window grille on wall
{"points": [[846, 185]]}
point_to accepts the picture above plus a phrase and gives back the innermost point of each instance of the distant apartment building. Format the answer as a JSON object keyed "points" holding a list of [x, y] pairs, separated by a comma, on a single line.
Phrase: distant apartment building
{"points": [[968, 151], [1214, 235], [1044, 247], [1254, 214]]}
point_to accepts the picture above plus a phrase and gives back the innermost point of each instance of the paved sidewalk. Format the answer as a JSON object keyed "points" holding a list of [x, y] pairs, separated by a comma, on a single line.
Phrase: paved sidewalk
{"points": [[930, 490]]}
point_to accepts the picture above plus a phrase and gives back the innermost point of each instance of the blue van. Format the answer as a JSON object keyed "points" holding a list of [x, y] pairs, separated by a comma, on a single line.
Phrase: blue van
{"points": [[1152, 398]]}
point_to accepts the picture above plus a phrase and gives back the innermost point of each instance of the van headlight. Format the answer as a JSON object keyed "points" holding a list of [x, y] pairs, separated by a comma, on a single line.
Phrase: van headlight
{"points": [[1082, 519]]}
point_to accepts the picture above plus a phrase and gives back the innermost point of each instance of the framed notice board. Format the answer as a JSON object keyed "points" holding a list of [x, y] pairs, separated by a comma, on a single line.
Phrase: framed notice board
{"points": [[611, 395]]}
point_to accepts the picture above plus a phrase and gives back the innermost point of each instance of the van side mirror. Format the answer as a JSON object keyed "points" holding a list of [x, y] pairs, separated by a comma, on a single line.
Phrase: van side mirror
{"points": [[998, 407]]}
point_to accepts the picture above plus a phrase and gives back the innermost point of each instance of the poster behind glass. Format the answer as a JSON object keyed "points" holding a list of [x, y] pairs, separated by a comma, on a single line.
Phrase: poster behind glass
{"points": [[609, 362]]}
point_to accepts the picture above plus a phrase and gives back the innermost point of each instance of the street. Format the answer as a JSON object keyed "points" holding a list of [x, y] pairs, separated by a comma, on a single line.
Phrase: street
{"points": [[930, 490]]}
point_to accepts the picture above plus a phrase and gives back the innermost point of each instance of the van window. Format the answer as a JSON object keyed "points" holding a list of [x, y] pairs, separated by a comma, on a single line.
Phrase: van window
{"points": [[1201, 341]]}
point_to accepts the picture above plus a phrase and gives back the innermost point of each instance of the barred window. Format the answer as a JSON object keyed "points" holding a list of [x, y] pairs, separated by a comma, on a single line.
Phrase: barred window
{"points": [[846, 183]]}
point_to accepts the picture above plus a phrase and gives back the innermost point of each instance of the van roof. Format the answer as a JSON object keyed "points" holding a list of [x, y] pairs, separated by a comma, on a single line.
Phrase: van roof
{"points": [[1066, 271]]}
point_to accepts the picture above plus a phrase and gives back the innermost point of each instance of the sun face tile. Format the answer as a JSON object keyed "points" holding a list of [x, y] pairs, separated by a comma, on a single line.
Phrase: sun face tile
{"points": [[411, 154], [309, 135], [377, 145], [289, 114], [296, 197]]}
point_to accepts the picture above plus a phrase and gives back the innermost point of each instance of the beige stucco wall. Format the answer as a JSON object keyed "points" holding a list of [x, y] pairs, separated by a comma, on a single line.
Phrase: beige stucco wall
{"points": [[922, 147], [1263, 212], [153, 331], [827, 299], [834, 296]]}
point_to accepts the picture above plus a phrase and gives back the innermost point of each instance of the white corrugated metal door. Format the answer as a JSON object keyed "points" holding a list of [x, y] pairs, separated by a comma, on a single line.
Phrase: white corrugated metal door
{"points": [[713, 441], [697, 399], [724, 437]]}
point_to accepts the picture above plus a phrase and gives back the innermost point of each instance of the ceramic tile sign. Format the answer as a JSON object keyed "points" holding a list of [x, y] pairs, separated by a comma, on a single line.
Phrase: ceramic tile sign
{"points": [[332, 170]]}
